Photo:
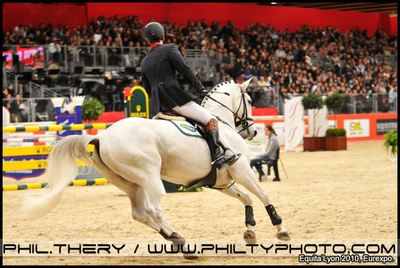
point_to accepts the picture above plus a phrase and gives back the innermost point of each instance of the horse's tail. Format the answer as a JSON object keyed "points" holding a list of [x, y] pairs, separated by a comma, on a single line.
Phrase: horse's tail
{"points": [[61, 170]]}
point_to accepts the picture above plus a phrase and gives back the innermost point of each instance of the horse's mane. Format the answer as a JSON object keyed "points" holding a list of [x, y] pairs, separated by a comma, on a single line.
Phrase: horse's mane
{"points": [[215, 88]]}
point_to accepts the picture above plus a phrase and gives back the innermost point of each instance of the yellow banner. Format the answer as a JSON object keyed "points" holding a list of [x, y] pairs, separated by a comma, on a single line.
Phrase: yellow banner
{"points": [[32, 150], [31, 164]]}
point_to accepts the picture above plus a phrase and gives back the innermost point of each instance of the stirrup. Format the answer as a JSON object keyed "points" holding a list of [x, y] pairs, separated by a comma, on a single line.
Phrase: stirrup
{"points": [[230, 160], [233, 158], [220, 165]]}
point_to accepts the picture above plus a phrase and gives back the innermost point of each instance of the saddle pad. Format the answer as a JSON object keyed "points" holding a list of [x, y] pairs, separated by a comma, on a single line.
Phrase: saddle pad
{"points": [[187, 128], [191, 130]]}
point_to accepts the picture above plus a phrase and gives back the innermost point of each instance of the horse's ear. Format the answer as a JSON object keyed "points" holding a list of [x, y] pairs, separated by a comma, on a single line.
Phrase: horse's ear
{"points": [[245, 85]]}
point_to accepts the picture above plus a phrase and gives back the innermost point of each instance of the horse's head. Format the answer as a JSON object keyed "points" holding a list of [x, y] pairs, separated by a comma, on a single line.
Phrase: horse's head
{"points": [[230, 102]]}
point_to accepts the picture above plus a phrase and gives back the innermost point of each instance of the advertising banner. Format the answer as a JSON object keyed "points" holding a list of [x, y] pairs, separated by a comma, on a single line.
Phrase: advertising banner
{"points": [[318, 122], [27, 55], [294, 124], [385, 125], [357, 128], [137, 102]]}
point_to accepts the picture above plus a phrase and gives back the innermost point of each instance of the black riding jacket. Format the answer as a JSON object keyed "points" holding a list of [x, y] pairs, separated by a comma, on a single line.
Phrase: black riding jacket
{"points": [[159, 69]]}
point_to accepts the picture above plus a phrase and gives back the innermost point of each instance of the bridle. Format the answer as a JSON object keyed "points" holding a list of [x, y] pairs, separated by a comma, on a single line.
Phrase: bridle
{"points": [[244, 120], [239, 120]]}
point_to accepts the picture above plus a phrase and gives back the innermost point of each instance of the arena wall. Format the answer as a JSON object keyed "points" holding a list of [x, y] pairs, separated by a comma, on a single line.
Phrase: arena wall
{"points": [[70, 14], [359, 127], [242, 14], [393, 25]]}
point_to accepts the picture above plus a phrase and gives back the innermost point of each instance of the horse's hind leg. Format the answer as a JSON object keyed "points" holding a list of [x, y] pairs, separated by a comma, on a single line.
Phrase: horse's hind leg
{"points": [[144, 188], [140, 204], [156, 213], [233, 191], [131, 189], [243, 174], [150, 187], [152, 202], [148, 196], [167, 231]]}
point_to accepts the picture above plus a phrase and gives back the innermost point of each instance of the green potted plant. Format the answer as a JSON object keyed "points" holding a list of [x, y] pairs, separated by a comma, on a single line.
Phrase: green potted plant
{"points": [[335, 139], [92, 108], [390, 144], [335, 103], [312, 102]]}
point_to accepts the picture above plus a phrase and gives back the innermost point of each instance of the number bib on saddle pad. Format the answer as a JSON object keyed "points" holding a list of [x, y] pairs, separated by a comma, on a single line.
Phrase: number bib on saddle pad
{"points": [[187, 128]]}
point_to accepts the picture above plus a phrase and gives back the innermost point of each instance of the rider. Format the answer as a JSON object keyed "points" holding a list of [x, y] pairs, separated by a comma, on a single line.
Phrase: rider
{"points": [[159, 68]]}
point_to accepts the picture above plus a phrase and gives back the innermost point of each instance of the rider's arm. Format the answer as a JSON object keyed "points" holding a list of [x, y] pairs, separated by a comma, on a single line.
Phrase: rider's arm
{"points": [[176, 59], [146, 84]]}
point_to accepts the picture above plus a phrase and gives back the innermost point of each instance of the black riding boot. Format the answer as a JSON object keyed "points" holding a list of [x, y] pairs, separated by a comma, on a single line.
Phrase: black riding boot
{"points": [[217, 153]]}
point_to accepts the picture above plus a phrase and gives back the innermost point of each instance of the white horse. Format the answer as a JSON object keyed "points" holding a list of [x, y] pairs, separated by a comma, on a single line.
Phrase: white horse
{"points": [[135, 153]]}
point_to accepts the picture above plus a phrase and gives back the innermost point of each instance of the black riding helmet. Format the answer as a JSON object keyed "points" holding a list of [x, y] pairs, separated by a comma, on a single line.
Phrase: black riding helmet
{"points": [[153, 32]]}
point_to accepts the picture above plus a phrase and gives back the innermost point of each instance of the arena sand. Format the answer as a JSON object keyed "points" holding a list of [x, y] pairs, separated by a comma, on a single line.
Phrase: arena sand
{"points": [[332, 197]]}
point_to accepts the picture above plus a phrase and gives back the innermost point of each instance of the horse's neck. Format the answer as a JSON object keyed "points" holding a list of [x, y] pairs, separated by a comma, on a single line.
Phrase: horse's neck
{"points": [[224, 114], [220, 111]]}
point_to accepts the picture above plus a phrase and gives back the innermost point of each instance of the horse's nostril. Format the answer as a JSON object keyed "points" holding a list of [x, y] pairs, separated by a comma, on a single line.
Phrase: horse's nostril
{"points": [[255, 133]]}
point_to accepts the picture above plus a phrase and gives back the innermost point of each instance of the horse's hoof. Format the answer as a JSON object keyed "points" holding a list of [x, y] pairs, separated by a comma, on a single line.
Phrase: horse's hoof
{"points": [[190, 256], [283, 235], [177, 247], [250, 237]]}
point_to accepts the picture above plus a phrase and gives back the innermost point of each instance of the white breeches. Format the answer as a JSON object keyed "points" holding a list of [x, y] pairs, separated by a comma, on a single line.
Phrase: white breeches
{"points": [[194, 111]]}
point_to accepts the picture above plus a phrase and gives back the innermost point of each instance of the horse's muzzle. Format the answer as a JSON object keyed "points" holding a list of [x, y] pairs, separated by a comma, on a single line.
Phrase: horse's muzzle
{"points": [[250, 135]]}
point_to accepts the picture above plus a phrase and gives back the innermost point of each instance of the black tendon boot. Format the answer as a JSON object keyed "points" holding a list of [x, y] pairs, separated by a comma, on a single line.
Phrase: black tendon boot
{"points": [[217, 154]]}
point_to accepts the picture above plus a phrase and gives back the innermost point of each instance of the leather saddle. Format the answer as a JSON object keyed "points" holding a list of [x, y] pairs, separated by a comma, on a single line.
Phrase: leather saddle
{"points": [[169, 116]]}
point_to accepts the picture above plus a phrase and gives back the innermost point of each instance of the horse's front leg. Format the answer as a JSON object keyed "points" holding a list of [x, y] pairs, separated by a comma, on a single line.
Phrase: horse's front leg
{"points": [[233, 191], [243, 174]]}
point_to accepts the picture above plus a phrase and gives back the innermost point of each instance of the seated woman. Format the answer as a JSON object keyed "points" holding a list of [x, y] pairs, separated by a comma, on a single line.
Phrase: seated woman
{"points": [[270, 156]]}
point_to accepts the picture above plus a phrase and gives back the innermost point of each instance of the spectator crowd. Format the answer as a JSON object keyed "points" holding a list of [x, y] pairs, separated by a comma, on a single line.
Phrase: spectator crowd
{"points": [[322, 60], [12, 102]]}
